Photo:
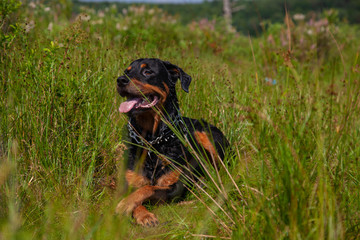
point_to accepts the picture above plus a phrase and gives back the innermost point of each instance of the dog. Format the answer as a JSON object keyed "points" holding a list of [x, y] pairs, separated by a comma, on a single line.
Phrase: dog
{"points": [[161, 142]]}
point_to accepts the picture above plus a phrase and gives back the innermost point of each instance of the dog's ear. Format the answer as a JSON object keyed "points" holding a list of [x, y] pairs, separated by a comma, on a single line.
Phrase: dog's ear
{"points": [[178, 73]]}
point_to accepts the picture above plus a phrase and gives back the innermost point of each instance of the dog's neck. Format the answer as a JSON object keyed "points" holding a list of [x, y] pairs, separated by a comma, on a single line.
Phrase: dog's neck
{"points": [[152, 123], [147, 122]]}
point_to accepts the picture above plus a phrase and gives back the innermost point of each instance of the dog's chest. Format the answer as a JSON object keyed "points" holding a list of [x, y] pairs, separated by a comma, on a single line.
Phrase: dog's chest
{"points": [[164, 158]]}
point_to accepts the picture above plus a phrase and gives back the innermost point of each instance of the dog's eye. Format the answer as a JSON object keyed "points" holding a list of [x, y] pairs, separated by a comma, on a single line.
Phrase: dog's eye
{"points": [[147, 72]]}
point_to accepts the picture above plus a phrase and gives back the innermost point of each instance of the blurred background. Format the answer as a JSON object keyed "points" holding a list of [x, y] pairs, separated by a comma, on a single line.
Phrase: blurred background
{"points": [[246, 16]]}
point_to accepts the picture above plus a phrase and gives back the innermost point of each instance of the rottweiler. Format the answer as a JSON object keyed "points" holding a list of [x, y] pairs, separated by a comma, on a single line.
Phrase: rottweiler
{"points": [[163, 146]]}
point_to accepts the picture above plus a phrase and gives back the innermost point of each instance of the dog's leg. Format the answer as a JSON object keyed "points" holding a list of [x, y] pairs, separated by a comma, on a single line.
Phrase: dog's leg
{"points": [[203, 139], [135, 199], [133, 203], [144, 217], [136, 180]]}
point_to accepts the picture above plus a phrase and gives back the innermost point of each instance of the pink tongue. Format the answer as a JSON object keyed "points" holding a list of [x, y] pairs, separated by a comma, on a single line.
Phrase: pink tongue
{"points": [[129, 104]]}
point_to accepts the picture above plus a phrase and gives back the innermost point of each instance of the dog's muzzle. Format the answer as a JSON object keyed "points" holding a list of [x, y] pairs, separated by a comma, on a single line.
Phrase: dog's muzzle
{"points": [[122, 81]]}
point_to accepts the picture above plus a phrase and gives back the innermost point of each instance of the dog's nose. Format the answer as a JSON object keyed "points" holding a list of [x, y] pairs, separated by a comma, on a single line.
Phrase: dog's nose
{"points": [[123, 81]]}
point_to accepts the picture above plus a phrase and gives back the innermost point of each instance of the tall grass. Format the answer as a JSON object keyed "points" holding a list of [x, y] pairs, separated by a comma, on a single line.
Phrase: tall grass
{"points": [[291, 118]]}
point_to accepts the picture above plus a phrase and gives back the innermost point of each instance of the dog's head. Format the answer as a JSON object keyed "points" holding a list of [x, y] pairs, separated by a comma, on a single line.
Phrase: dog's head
{"points": [[149, 83]]}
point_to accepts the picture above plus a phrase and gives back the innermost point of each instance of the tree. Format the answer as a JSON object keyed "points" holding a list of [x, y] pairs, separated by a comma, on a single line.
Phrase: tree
{"points": [[229, 8], [227, 13]]}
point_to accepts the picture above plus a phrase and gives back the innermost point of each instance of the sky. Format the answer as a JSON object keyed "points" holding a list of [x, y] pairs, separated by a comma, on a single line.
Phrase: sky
{"points": [[146, 1]]}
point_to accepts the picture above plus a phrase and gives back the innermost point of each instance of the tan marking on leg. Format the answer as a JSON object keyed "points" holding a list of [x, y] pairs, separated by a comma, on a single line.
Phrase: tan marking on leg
{"points": [[203, 140], [127, 205], [144, 217], [136, 180], [168, 179]]}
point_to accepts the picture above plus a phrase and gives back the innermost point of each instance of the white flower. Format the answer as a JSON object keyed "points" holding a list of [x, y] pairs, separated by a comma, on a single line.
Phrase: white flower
{"points": [[50, 27], [99, 21], [299, 17], [101, 14], [83, 17], [29, 25], [32, 5]]}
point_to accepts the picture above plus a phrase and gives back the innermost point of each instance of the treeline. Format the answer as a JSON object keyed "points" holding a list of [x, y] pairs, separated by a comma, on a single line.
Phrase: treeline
{"points": [[250, 16]]}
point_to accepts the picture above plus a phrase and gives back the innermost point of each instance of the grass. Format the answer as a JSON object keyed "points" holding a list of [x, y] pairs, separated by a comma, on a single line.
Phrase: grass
{"points": [[296, 139]]}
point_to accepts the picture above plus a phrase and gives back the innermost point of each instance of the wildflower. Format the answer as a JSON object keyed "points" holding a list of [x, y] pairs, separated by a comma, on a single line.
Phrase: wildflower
{"points": [[101, 14], [99, 22], [83, 17], [299, 17], [29, 25], [271, 40], [32, 5], [270, 81], [113, 7], [50, 26], [321, 24]]}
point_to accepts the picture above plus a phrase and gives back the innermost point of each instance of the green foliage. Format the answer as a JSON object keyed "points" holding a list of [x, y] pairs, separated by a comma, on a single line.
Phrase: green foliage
{"points": [[8, 24], [288, 105], [7, 7]]}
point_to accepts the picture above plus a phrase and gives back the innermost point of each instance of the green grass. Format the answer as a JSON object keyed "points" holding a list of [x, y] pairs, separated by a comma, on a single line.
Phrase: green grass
{"points": [[296, 167]]}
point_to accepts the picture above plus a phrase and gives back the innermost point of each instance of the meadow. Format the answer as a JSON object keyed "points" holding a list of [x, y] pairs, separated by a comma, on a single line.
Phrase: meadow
{"points": [[288, 101]]}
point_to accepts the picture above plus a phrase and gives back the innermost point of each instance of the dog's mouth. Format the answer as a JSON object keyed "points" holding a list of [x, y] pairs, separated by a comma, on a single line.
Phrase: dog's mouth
{"points": [[138, 103]]}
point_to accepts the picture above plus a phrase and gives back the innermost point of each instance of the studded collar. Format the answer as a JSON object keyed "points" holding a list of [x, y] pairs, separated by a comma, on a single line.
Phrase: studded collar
{"points": [[166, 134]]}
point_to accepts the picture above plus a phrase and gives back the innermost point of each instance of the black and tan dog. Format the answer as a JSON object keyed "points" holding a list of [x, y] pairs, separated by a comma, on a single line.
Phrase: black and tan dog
{"points": [[159, 162]]}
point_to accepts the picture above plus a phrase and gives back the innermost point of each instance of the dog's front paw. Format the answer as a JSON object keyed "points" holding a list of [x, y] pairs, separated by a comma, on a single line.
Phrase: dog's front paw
{"points": [[147, 220], [125, 206], [144, 217]]}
